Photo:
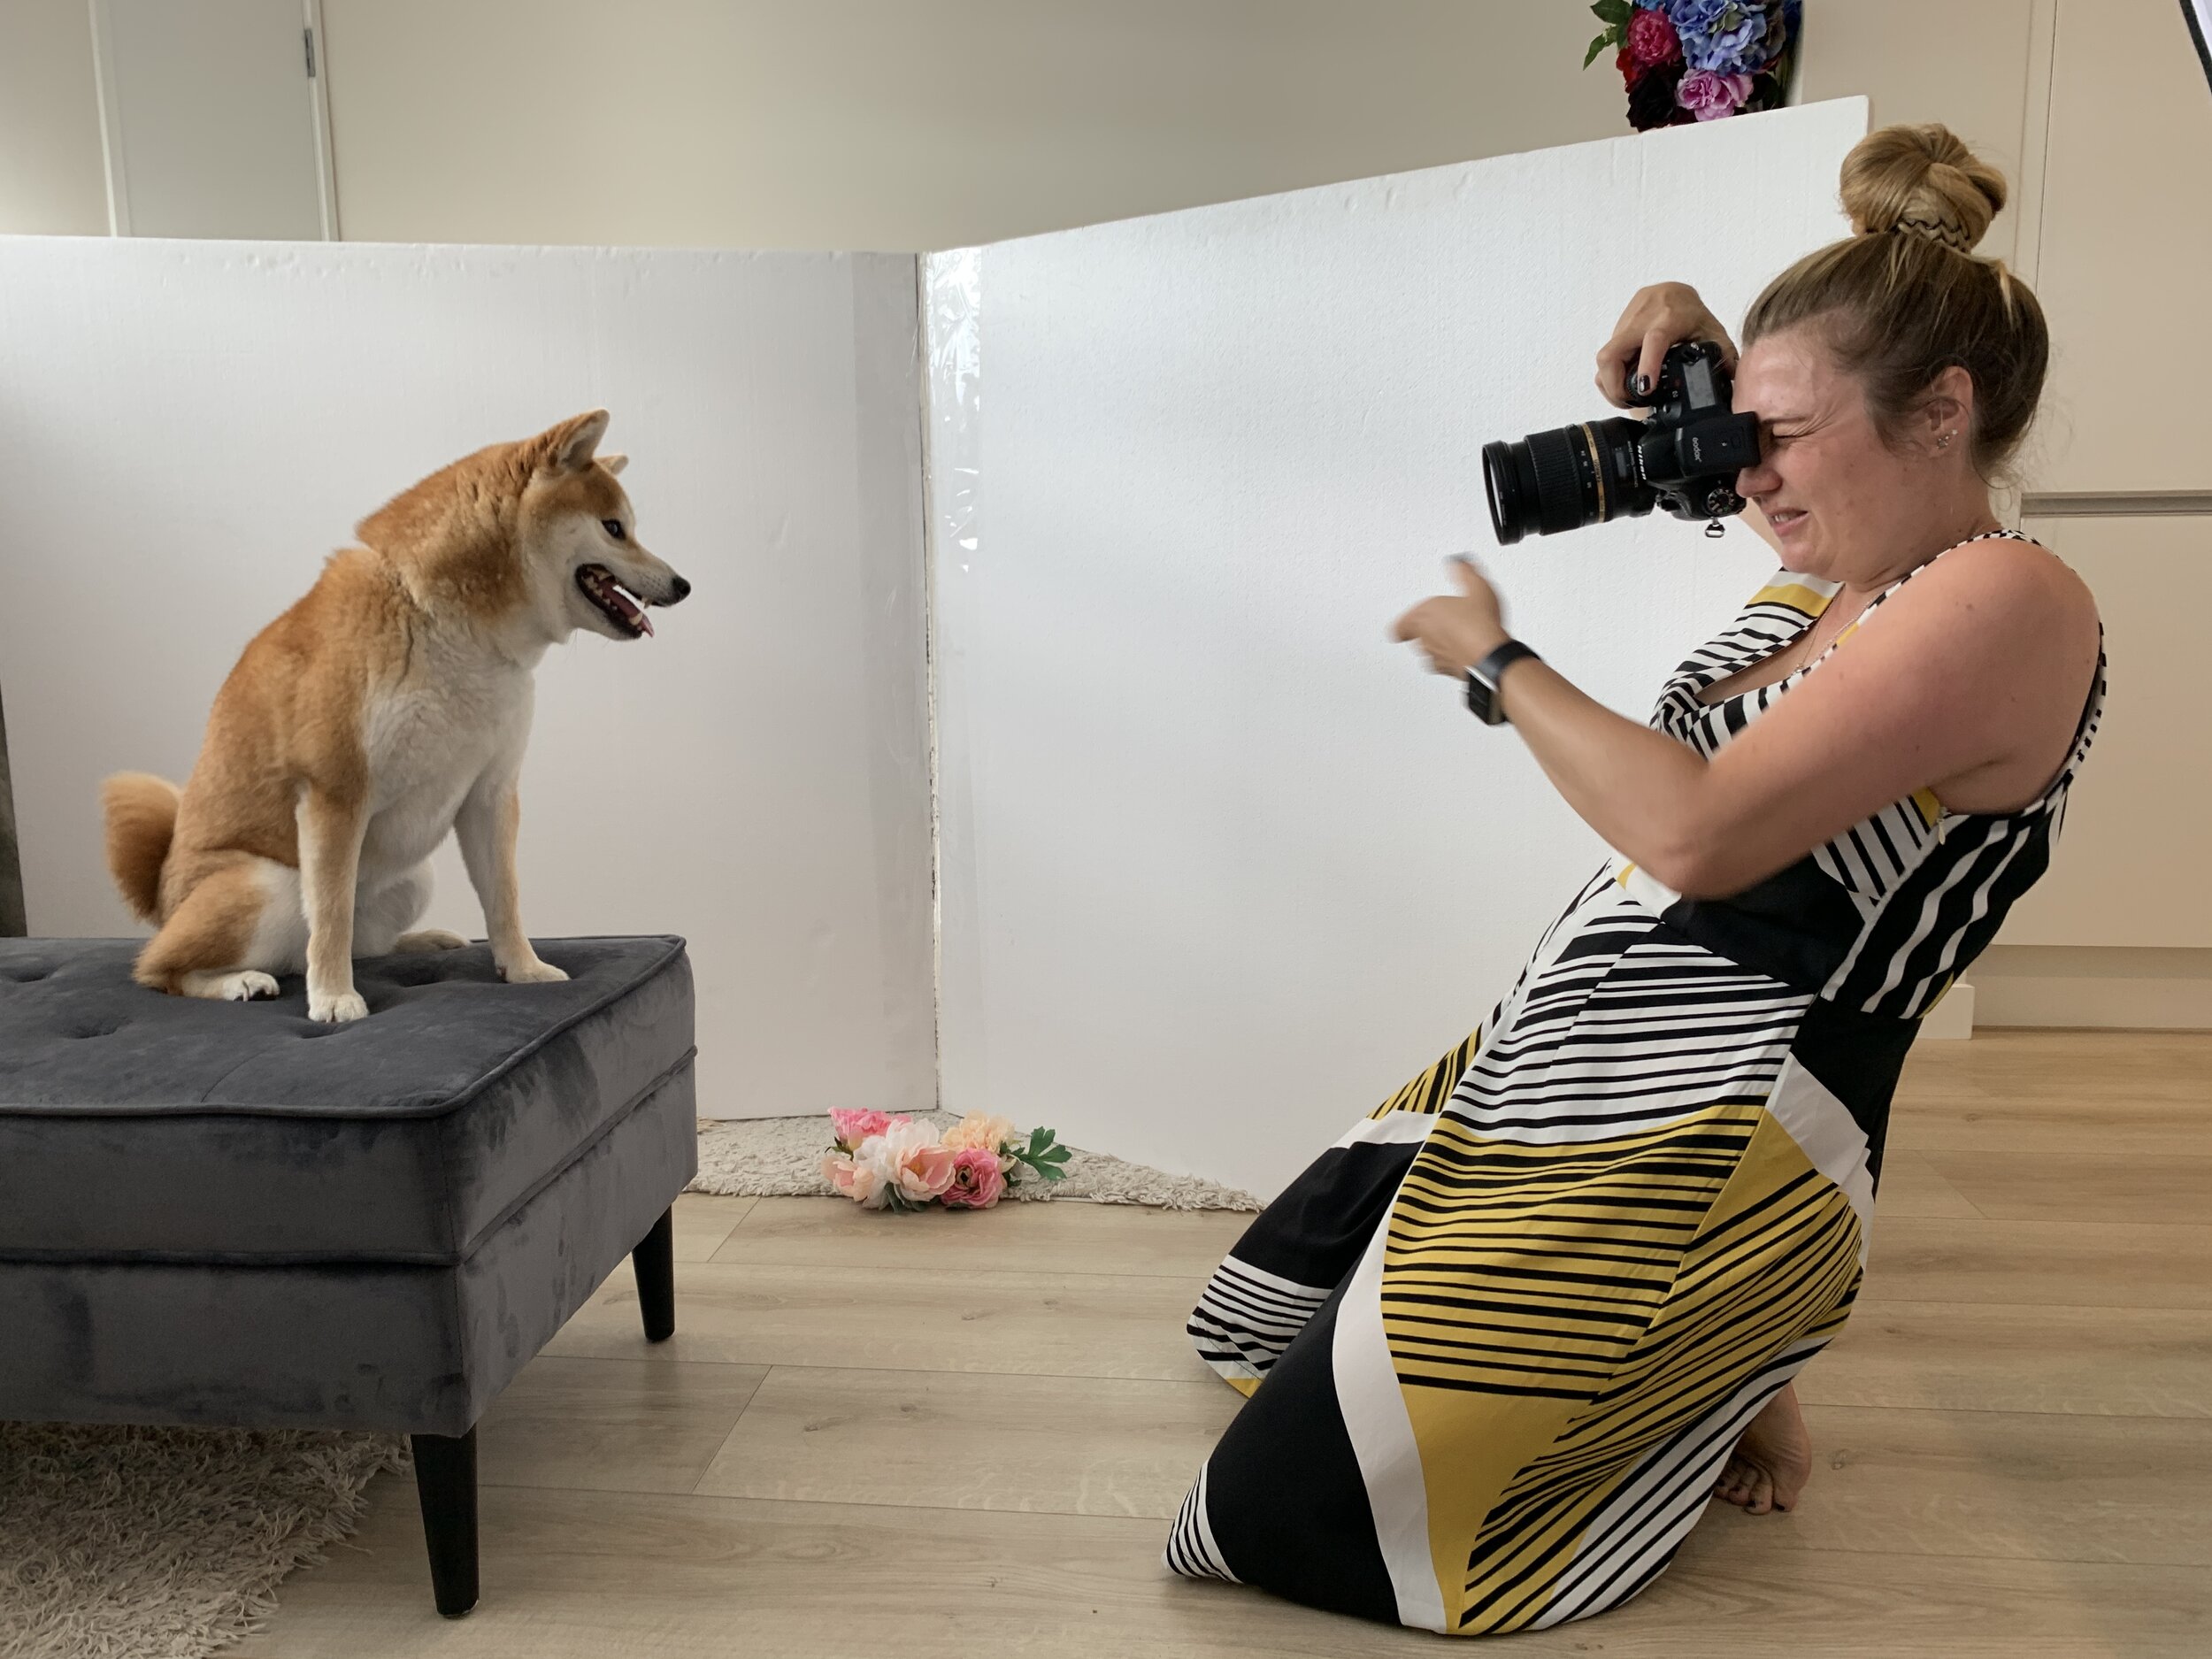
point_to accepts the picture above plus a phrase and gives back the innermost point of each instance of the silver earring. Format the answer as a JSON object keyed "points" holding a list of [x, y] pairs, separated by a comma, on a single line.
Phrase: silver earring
{"points": [[1944, 443]]}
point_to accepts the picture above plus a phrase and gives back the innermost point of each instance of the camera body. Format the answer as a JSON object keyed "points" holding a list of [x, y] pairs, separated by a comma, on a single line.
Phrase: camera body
{"points": [[1685, 457]]}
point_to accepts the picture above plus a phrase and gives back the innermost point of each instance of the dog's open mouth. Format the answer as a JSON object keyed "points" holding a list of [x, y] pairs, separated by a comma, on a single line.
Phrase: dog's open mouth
{"points": [[616, 603]]}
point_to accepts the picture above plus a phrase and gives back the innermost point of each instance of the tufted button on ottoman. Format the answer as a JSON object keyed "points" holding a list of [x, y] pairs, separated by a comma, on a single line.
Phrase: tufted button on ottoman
{"points": [[222, 1213]]}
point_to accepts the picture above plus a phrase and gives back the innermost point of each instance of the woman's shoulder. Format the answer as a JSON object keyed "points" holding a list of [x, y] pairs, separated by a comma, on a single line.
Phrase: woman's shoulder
{"points": [[2001, 621], [2006, 579]]}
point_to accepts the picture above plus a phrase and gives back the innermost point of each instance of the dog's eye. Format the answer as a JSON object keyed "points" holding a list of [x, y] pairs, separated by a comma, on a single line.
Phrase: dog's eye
{"points": [[613, 527]]}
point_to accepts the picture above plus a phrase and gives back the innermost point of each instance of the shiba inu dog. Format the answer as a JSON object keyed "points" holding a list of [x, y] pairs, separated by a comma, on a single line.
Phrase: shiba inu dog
{"points": [[390, 706]]}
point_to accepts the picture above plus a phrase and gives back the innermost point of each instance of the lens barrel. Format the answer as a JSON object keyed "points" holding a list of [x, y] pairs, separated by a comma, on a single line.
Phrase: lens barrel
{"points": [[1564, 479]]}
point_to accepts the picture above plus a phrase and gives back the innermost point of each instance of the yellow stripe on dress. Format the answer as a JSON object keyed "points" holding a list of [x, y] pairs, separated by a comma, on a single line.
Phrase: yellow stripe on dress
{"points": [[1555, 1312], [1797, 596], [1428, 1092]]}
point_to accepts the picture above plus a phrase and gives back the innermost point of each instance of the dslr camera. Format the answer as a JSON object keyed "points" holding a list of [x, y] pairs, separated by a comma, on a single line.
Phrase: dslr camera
{"points": [[1685, 457]]}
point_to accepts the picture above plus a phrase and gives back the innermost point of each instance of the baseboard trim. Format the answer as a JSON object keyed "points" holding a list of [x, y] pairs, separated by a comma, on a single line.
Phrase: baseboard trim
{"points": [[2097, 1004], [2094, 988], [1952, 1017]]}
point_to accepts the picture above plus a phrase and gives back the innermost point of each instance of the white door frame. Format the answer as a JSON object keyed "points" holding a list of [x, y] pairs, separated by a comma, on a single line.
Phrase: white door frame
{"points": [[312, 50]]}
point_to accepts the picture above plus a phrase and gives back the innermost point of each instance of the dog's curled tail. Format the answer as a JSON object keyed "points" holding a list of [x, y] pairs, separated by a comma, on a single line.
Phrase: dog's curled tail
{"points": [[142, 815]]}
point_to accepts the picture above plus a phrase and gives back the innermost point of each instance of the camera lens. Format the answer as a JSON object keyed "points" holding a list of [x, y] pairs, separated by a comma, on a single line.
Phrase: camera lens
{"points": [[1564, 479], [1532, 485]]}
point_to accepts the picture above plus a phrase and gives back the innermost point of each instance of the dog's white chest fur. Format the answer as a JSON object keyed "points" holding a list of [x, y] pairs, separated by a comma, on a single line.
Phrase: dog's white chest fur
{"points": [[429, 741]]}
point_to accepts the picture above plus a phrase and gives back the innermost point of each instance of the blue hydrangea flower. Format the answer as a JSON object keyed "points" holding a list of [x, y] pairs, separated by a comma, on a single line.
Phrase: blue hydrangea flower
{"points": [[1697, 14], [1727, 37]]}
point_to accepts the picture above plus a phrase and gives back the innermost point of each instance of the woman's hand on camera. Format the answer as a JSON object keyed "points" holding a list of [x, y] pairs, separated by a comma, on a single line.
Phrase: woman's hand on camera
{"points": [[1657, 318], [1456, 631]]}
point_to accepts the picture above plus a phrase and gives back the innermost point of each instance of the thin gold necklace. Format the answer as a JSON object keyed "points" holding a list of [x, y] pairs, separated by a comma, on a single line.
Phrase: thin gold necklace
{"points": [[1803, 650]]}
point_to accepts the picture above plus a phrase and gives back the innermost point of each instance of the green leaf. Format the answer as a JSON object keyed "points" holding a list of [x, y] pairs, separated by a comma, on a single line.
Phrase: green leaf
{"points": [[1596, 46], [1614, 12]]}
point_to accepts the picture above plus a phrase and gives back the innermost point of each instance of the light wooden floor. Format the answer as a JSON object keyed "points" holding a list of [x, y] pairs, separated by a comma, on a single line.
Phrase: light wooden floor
{"points": [[962, 1435]]}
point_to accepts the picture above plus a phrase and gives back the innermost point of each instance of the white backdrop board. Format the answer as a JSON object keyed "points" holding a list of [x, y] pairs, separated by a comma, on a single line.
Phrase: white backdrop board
{"points": [[188, 428], [1220, 868]]}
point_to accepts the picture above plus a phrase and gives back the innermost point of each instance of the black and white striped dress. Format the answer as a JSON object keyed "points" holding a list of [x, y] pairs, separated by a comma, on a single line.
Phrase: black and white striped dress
{"points": [[1511, 1325]]}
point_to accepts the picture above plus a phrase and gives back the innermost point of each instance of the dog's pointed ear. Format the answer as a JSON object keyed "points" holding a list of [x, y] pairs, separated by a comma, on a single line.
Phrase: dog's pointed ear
{"points": [[614, 463], [568, 447]]}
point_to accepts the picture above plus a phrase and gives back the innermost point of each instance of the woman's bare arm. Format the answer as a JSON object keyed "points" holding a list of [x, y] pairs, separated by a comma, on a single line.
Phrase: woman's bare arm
{"points": [[1967, 681]]}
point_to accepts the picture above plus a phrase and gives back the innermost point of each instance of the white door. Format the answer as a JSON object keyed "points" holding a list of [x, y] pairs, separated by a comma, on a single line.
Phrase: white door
{"points": [[214, 118]]}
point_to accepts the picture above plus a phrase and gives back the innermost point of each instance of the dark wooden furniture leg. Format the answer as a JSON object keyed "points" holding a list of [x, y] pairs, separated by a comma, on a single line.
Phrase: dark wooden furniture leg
{"points": [[445, 1481], [655, 1261]]}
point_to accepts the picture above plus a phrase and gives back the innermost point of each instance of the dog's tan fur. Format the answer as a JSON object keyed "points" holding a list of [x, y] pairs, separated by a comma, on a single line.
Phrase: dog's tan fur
{"points": [[388, 707]]}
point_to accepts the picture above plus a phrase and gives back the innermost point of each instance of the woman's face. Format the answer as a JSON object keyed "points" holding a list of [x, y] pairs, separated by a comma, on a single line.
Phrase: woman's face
{"points": [[1844, 506]]}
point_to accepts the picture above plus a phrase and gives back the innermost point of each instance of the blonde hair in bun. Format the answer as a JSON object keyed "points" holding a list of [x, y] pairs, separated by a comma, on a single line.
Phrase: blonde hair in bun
{"points": [[1921, 180], [1906, 297]]}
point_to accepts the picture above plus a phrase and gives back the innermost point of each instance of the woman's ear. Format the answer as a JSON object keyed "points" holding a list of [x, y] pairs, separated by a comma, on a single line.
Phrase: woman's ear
{"points": [[1945, 415]]}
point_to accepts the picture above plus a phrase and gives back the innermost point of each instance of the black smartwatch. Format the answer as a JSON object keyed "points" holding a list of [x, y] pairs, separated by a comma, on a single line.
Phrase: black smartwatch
{"points": [[1482, 681]]}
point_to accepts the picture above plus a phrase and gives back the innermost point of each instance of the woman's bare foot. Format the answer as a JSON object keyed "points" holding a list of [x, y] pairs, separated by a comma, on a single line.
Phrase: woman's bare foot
{"points": [[1772, 1461]]}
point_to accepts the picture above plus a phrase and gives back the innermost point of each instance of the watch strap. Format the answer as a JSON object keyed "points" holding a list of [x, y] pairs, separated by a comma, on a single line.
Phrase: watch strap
{"points": [[1482, 681]]}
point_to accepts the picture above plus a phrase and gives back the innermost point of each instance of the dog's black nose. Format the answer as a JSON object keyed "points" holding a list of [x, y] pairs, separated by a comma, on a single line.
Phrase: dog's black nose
{"points": [[677, 589]]}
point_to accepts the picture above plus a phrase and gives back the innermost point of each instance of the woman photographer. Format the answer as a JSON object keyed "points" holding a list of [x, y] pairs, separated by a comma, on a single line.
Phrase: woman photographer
{"points": [[1520, 1324]]}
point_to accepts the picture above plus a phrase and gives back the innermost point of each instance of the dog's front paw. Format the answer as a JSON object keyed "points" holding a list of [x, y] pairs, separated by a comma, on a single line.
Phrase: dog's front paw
{"points": [[429, 940], [326, 1010], [531, 973]]}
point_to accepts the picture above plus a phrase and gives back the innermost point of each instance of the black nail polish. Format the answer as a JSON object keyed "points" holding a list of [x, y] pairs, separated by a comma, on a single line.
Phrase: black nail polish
{"points": [[1643, 385]]}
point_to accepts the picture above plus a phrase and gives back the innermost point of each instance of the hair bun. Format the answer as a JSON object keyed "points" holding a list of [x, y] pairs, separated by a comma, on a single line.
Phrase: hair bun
{"points": [[1921, 180]]}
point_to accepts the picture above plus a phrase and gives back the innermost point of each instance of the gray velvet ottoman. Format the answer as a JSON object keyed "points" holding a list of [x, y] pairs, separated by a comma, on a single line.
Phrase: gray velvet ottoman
{"points": [[221, 1213]]}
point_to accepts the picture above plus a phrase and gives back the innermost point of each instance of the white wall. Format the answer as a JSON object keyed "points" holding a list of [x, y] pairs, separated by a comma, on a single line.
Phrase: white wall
{"points": [[2124, 255], [837, 123], [1221, 868], [2154, 749], [190, 427], [51, 176], [888, 124]]}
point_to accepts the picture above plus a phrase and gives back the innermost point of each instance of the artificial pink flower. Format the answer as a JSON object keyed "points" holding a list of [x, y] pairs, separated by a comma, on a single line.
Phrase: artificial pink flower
{"points": [[1709, 96], [1652, 39], [853, 1127], [862, 1183], [926, 1173], [978, 1182]]}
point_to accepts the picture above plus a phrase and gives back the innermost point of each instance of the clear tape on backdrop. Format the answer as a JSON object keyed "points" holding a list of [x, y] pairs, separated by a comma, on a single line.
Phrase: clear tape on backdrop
{"points": [[953, 293]]}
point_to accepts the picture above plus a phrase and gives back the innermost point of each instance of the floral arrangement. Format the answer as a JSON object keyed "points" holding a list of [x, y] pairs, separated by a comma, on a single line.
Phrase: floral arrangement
{"points": [[1698, 60], [885, 1163]]}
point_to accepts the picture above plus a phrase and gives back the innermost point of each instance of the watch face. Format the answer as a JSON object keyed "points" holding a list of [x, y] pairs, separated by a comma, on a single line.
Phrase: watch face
{"points": [[1481, 698]]}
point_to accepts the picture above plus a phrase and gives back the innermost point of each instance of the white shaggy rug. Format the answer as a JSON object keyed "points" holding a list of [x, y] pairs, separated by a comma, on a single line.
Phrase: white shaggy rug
{"points": [[140, 1543], [781, 1157]]}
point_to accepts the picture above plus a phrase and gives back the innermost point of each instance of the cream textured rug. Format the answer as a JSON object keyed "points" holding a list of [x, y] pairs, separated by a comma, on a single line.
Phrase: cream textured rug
{"points": [[136, 1543], [781, 1157]]}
